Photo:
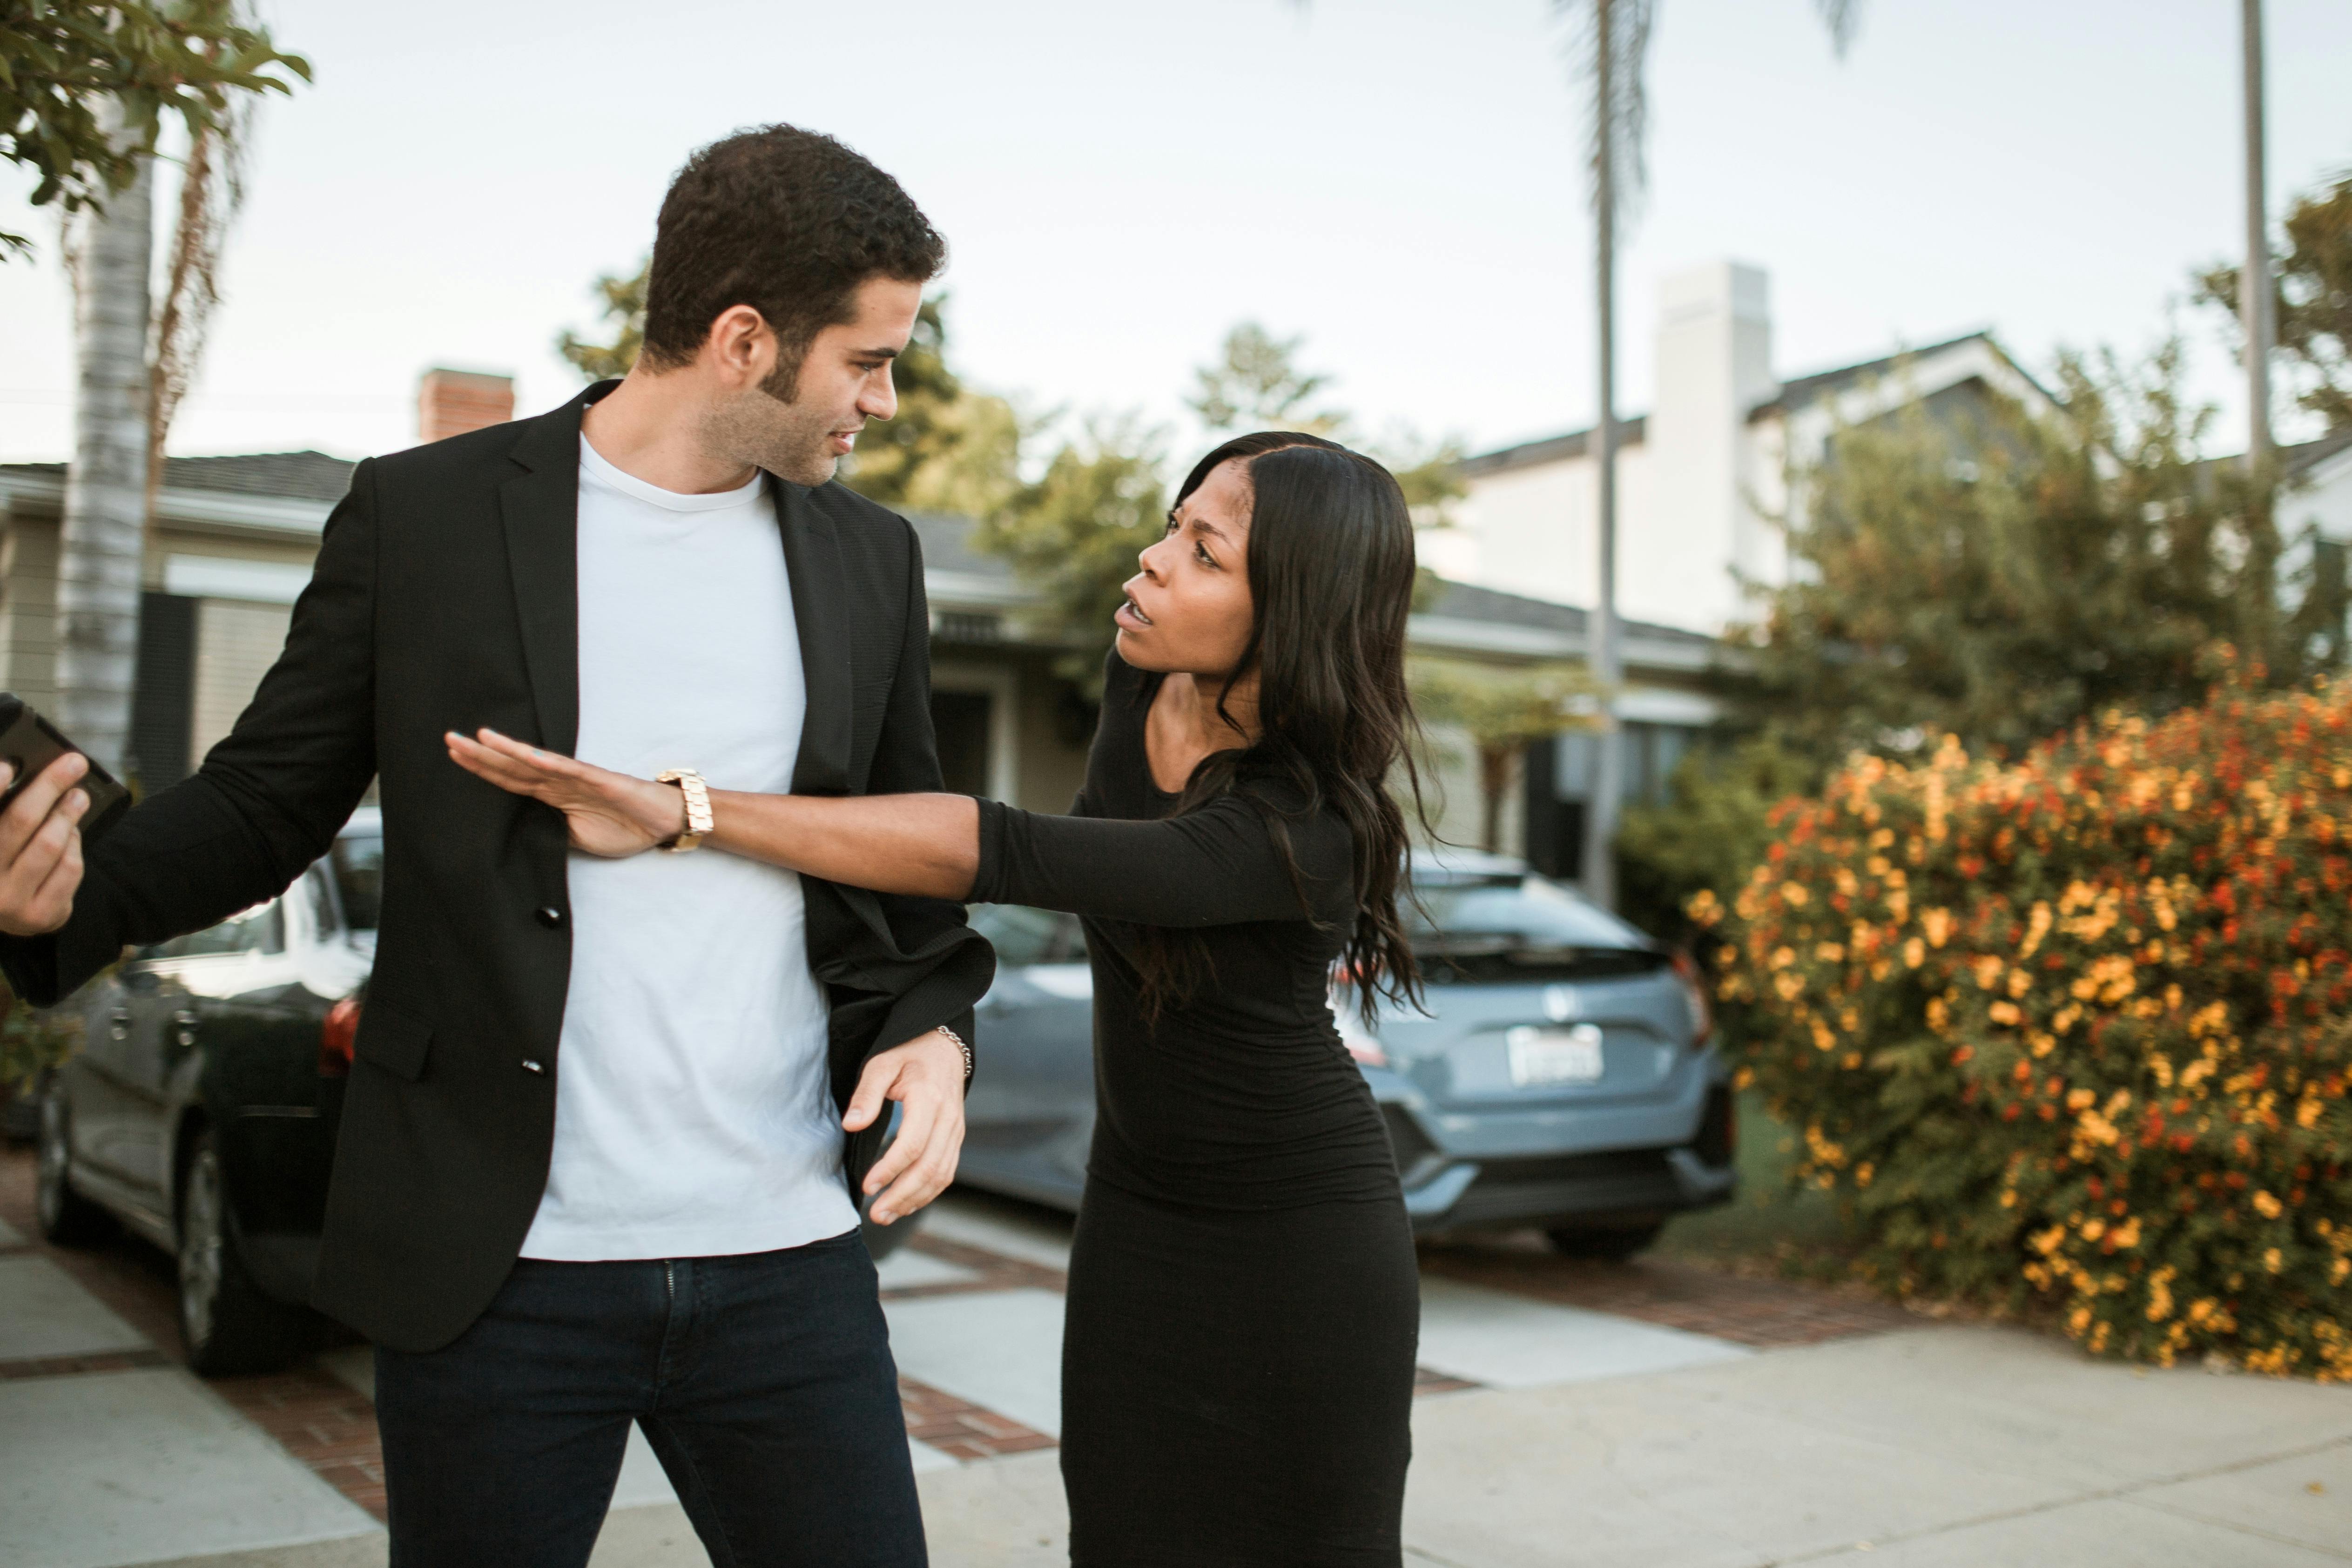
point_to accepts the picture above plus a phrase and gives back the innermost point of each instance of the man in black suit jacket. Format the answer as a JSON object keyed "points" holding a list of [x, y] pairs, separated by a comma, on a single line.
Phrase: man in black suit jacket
{"points": [[786, 275]]}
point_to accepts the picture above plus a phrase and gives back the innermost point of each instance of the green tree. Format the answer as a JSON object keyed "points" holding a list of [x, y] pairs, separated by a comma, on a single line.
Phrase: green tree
{"points": [[624, 309], [1503, 711], [950, 449], [1074, 533], [1257, 384], [2002, 580], [2312, 299], [85, 84], [1710, 829]]}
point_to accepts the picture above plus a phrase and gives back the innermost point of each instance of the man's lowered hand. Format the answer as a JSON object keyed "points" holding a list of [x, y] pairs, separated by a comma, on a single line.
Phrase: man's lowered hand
{"points": [[926, 1077]]}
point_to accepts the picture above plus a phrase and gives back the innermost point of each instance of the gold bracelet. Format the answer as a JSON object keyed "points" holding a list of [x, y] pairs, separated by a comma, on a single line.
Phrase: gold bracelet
{"points": [[698, 809]]}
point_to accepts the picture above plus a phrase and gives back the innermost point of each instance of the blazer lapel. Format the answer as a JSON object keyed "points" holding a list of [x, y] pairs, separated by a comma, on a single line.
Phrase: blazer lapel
{"points": [[540, 507], [813, 561]]}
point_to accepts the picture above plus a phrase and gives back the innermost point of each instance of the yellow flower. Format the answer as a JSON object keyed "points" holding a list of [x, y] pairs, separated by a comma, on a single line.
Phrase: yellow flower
{"points": [[2004, 1013], [1915, 953], [2267, 1206], [1938, 924], [2271, 1261]]}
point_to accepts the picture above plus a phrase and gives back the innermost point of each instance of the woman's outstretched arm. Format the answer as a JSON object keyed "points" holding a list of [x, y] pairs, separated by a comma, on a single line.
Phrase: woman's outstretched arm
{"points": [[926, 845], [1215, 866], [923, 844]]}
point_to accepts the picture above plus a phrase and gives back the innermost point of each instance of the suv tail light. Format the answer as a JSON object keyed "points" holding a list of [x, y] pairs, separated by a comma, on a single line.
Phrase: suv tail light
{"points": [[1686, 970], [338, 1037], [1718, 1130]]}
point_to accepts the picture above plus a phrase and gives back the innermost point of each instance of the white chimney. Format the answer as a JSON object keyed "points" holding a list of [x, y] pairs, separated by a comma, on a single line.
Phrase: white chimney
{"points": [[1714, 364]]}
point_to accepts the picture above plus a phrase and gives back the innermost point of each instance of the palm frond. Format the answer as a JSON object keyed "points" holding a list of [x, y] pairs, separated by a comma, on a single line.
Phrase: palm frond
{"points": [[1626, 115], [1843, 18]]}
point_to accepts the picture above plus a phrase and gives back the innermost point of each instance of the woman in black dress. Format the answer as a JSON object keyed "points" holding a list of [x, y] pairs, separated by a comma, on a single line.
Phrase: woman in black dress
{"points": [[1243, 1305]]}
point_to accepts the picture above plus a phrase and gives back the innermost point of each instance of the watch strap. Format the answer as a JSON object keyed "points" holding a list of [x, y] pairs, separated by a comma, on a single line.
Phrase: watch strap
{"points": [[697, 808]]}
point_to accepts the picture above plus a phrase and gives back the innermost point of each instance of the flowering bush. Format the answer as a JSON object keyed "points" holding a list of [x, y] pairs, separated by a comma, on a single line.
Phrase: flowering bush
{"points": [[2077, 1028]]}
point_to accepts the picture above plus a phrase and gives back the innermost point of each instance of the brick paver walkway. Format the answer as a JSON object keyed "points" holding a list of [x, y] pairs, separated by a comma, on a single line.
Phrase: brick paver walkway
{"points": [[331, 1428], [1768, 1314]]}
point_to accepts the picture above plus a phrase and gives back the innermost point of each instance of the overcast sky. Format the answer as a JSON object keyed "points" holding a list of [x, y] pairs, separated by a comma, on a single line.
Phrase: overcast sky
{"points": [[1119, 182]]}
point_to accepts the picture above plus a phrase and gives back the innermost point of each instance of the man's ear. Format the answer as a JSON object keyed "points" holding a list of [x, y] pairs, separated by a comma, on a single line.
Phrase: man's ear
{"points": [[741, 347]]}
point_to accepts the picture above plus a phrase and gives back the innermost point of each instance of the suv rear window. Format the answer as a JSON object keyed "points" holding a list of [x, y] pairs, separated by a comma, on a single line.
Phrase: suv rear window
{"points": [[1507, 929], [357, 861]]}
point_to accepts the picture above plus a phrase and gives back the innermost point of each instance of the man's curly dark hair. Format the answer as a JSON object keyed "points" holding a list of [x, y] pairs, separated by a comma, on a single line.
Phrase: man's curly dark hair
{"points": [[788, 222]]}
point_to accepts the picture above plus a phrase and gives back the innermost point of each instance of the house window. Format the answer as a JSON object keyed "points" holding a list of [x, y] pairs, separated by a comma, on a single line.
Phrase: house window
{"points": [[1559, 774], [163, 689], [975, 720]]}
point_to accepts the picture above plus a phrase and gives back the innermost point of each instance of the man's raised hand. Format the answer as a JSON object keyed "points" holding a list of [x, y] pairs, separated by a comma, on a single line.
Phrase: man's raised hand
{"points": [[40, 847]]}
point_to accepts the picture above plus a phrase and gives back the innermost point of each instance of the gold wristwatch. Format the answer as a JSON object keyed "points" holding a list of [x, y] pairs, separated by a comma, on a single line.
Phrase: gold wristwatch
{"points": [[697, 808]]}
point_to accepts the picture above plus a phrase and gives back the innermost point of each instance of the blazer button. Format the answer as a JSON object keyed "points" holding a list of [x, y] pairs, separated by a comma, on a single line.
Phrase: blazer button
{"points": [[551, 917], [531, 1066]]}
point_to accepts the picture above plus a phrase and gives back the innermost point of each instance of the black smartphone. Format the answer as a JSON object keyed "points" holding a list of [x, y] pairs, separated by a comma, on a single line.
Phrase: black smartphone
{"points": [[29, 743]]}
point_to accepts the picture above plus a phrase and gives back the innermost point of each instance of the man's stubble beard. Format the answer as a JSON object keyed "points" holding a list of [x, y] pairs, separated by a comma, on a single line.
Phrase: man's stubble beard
{"points": [[789, 439]]}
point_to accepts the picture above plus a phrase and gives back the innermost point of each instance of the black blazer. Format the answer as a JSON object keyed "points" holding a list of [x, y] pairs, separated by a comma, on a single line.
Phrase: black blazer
{"points": [[445, 597]]}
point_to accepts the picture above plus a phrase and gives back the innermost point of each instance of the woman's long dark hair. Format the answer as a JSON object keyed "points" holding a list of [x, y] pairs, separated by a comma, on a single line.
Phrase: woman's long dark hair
{"points": [[1331, 576]]}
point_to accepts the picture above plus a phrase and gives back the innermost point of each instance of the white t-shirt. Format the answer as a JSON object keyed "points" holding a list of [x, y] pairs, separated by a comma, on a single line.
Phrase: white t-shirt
{"points": [[692, 1112]]}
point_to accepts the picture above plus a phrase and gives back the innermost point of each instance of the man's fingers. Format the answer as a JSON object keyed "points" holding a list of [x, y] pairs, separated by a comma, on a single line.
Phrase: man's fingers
{"points": [[927, 1178], [31, 807], [914, 1137], [873, 1088], [54, 901]]}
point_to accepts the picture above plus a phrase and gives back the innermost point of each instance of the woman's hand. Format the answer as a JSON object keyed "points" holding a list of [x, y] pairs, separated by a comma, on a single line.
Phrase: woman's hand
{"points": [[609, 814]]}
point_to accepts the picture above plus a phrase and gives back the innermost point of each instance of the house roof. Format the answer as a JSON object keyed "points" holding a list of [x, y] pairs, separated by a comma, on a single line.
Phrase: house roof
{"points": [[1798, 390], [1462, 602], [2299, 459], [1460, 618], [1794, 392], [1551, 449], [293, 476]]}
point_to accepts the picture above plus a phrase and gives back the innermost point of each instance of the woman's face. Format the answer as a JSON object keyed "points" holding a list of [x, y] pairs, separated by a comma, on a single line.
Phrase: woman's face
{"points": [[1188, 609]]}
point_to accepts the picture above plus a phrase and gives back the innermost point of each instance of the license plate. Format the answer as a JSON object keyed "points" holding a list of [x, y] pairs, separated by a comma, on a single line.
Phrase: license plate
{"points": [[1543, 1057]]}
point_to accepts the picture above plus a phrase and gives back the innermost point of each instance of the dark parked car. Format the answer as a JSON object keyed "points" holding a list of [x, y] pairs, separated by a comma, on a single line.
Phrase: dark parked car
{"points": [[1565, 1076], [202, 1108], [200, 1111]]}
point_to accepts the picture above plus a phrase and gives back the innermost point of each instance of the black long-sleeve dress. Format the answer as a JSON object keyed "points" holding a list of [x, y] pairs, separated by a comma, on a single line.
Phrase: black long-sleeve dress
{"points": [[1237, 1363]]}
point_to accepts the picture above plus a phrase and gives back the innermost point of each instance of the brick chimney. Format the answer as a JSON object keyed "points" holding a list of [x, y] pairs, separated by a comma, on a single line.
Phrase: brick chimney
{"points": [[451, 402]]}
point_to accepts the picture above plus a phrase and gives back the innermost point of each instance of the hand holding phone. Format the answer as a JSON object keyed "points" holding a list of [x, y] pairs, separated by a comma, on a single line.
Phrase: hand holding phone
{"points": [[51, 796]]}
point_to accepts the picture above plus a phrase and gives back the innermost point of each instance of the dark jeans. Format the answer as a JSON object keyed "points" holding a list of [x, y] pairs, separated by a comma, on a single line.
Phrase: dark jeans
{"points": [[764, 1383]]}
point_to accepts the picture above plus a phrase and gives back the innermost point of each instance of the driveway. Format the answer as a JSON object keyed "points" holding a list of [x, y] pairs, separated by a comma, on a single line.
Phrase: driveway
{"points": [[1571, 1413]]}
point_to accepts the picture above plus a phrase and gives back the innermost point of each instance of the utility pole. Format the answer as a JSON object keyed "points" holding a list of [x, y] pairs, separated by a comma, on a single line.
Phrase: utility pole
{"points": [[2254, 301], [1601, 810]]}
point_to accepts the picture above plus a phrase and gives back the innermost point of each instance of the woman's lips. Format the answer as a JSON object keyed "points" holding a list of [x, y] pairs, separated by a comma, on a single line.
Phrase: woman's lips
{"points": [[1131, 614]]}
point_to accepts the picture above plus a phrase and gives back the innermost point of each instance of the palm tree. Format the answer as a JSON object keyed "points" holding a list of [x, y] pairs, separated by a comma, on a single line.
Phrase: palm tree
{"points": [[105, 527], [134, 366], [1609, 44]]}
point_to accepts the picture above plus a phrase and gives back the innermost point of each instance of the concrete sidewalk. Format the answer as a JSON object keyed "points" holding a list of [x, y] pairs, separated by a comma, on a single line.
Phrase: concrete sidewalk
{"points": [[1937, 1448], [1570, 1416]]}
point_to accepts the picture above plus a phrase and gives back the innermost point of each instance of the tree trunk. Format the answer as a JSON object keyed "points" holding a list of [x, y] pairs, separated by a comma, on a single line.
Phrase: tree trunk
{"points": [[1493, 785], [1600, 811], [106, 486]]}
